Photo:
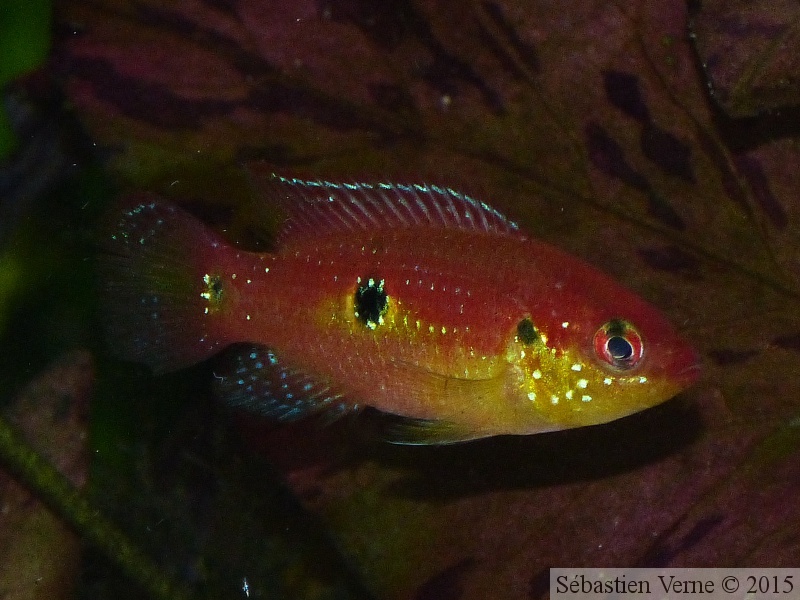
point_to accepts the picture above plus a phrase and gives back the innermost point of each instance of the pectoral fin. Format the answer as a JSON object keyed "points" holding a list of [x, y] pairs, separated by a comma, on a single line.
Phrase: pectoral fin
{"points": [[423, 432]]}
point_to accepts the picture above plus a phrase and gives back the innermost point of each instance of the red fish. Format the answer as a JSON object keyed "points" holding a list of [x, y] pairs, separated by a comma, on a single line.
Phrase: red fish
{"points": [[417, 300]]}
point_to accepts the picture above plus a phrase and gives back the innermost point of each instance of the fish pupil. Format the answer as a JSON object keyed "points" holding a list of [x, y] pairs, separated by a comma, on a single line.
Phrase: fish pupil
{"points": [[619, 348], [371, 302]]}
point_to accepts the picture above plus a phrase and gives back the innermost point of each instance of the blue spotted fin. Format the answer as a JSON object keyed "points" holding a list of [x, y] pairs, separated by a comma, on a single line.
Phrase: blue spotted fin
{"points": [[317, 207], [255, 380], [151, 277]]}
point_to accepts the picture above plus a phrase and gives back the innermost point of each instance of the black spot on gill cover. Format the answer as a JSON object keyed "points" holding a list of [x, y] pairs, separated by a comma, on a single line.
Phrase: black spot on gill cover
{"points": [[527, 332], [622, 90]]}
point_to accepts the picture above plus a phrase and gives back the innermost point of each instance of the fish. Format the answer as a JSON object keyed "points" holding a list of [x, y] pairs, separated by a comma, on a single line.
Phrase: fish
{"points": [[415, 299]]}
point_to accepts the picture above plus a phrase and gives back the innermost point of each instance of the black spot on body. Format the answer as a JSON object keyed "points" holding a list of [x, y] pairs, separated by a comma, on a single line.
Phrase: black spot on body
{"points": [[371, 302], [526, 332]]}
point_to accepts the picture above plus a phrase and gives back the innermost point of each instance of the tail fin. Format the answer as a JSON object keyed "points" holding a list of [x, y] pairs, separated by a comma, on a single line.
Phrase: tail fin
{"points": [[155, 288]]}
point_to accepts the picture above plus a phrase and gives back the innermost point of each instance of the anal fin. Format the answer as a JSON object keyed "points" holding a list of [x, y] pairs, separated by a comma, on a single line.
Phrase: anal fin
{"points": [[255, 380]]}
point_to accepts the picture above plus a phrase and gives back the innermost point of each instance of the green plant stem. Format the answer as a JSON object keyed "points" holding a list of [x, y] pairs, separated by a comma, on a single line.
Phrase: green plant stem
{"points": [[60, 496]]}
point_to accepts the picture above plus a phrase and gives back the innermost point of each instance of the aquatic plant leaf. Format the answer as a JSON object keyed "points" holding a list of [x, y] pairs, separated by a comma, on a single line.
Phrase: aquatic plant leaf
{"points": [[591, 127], [39, 553], [749, 53]]}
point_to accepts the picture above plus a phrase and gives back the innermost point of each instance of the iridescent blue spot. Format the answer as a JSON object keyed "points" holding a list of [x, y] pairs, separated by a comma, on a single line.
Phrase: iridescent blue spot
{"points": [[289, 396], [259, 365], [253, 355], [240, 382]]}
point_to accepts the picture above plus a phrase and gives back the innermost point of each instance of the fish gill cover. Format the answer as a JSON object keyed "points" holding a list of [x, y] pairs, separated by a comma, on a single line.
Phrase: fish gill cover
{"points": [[593, 127]]}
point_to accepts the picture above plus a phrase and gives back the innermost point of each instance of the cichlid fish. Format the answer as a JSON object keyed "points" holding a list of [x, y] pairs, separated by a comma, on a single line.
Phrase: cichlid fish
{"points": [[417, 300]]}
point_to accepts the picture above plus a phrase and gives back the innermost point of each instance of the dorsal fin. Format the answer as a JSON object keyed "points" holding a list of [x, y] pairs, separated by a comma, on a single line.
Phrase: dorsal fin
{"points": [[316, 206]]}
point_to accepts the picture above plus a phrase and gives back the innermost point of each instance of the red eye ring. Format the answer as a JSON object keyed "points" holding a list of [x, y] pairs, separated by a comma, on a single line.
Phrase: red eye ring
{"points": [[619, 344]]}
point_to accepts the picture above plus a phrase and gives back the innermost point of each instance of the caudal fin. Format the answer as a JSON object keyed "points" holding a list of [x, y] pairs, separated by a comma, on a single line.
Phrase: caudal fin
{"points": [[155, 291]]}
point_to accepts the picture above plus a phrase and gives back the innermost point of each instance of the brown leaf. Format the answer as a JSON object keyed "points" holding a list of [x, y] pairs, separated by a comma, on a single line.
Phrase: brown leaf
{"points": [[591, 127], [749, 52]]}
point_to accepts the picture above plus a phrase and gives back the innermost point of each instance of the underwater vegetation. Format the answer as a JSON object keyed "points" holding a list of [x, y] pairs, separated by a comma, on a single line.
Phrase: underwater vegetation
{"points": [[657, 142]]}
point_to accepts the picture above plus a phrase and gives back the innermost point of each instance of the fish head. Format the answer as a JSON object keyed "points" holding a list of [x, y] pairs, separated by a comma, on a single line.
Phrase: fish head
{"points": [[595, 365]]}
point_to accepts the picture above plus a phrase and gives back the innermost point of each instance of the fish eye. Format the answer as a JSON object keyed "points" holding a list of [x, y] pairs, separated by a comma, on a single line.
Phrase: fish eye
{"points": [[619, 344]]}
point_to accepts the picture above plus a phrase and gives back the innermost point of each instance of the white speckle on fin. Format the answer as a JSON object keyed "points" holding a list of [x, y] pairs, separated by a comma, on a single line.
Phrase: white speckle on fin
{"points": [[319, 206], [256, 381]]}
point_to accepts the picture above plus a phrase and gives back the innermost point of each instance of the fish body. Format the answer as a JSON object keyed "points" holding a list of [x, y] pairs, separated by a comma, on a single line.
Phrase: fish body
{"points": [[416, 300]]}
